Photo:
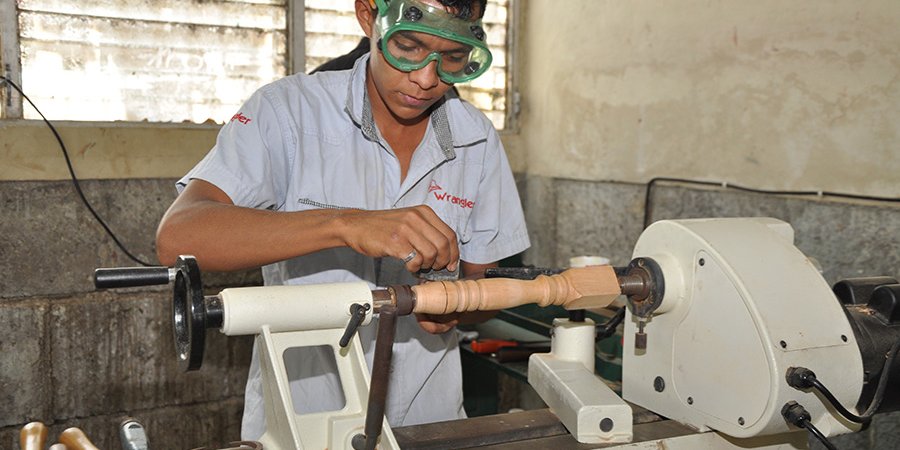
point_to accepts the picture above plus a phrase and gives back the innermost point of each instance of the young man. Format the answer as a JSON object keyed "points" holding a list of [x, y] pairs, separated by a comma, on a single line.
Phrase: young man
{"points": [[372, 174]]}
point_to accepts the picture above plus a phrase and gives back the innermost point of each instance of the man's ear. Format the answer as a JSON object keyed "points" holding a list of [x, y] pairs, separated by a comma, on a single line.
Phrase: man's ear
{"points": [[365, 16]]}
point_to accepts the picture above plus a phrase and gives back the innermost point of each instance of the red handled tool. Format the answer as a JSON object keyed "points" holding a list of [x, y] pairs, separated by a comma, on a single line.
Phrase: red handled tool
{"points": [[483, 346]]}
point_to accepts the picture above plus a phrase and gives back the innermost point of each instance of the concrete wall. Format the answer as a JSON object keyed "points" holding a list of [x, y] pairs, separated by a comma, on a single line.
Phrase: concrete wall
{"points": [[771, 94], [576, 217], [115, 150], [72, 356]]}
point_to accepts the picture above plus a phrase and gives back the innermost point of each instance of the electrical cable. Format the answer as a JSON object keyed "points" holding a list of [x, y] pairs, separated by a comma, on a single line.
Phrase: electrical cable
{"points": [[647, 195], [803, 378], [74, 178], [608, 328], [818, 435], [795, 414]]}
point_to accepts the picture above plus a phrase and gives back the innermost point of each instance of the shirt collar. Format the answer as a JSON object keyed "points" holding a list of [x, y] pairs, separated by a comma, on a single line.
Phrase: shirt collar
{"points": [[460, 131]]}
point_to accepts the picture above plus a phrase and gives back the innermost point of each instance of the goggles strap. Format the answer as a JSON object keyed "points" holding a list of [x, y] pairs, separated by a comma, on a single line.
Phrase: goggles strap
{"points": [[441, 125]]}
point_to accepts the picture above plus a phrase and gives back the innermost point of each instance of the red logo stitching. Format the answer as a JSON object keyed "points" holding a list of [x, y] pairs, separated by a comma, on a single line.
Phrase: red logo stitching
{"points": [[449, 198], [240, 117]]}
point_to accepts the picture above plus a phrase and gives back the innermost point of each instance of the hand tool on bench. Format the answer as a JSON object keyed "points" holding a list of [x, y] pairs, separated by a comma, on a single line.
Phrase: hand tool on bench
{"points": [[75, 439], [33, 436]]}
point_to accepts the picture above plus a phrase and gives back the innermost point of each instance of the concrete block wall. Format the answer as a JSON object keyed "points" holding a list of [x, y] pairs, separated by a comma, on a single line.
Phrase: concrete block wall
{"points": [[73, 356], [569, 218], [848, 238]]}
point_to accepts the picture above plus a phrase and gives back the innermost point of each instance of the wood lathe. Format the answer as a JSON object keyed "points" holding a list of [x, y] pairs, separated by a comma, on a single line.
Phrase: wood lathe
{"points": [[731, 332]]}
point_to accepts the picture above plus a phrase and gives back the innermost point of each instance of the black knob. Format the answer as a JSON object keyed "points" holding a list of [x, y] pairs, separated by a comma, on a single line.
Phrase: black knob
{"points": [[130, 277]]}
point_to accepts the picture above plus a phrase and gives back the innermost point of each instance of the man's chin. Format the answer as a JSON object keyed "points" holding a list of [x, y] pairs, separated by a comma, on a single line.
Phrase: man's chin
{"points": [[410, 113]]}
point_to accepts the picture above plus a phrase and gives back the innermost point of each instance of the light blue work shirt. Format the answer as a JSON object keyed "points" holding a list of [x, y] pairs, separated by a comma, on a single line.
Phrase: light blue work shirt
{"points": [[309, 142]]}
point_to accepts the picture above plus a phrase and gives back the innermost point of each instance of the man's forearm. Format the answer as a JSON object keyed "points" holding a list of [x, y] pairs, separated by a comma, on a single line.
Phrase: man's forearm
{"points": [[225, 237], [204, 222]]}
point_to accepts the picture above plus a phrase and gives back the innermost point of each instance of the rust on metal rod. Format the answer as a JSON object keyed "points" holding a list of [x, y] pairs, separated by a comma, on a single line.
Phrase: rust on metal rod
{"points": [[381, 298], [400, 297]]}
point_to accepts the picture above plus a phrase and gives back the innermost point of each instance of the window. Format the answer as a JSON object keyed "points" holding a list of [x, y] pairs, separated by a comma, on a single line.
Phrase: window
{"points": [[183, 60], [154, 60]]}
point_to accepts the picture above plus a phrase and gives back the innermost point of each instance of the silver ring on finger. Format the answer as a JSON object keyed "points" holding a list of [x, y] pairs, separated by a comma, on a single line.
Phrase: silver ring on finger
{"points": [[410, 256]]}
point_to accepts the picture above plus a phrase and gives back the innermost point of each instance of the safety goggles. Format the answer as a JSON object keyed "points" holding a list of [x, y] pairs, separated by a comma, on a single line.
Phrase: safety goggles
{"points": [[412, 34]]}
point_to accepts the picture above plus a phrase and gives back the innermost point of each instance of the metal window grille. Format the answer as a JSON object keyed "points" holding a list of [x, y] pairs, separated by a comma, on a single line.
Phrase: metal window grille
{"points": [[187, 60]]}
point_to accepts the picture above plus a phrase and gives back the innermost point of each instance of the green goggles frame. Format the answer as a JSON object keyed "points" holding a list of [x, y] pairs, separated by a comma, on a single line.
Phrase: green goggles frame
{"points": [[411, 15]]}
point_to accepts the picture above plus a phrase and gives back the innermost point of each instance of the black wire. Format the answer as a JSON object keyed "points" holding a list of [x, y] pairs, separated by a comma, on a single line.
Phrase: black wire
{"points": [[876, 399], [648, 208], [816, 384], [74, 178], [817, 434], [608, 328]]}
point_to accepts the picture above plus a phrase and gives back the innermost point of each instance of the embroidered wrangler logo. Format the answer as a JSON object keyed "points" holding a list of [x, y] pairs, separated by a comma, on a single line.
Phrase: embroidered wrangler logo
{"points": [[240, 117], [449, 198]]}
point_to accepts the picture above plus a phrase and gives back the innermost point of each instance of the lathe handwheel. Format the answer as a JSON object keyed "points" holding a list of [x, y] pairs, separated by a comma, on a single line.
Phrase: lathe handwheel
{"points": [[189, 315]]}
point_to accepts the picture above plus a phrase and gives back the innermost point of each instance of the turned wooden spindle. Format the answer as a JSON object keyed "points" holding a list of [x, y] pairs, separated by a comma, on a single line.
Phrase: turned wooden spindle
{"points": [[32, 436], [579, 288], [75, 439]]}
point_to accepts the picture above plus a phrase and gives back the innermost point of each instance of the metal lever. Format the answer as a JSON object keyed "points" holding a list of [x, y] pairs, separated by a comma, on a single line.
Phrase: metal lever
{"points": [[357, 315], [378, 389]]}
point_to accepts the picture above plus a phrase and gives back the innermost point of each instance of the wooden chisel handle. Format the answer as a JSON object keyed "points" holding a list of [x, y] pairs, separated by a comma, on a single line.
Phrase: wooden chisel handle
{"points": [[58, 447], [33, 436], [75, 439], [578, 288]]}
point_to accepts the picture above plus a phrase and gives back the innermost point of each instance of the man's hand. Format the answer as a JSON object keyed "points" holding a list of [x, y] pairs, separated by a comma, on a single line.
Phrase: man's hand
{"points": [[435, 324], [399, 233]]}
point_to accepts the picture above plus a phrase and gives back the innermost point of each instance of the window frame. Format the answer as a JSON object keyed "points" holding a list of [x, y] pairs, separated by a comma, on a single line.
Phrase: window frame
{"points": [[10, 59]]}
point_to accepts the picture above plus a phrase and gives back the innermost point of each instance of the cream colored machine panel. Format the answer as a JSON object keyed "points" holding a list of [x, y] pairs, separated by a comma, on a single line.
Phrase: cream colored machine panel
{"points": [[741, 306], [730, 348]]}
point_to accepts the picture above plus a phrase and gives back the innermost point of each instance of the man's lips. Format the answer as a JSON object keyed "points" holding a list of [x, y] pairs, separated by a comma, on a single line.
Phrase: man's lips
{"points": [[414, 101]]}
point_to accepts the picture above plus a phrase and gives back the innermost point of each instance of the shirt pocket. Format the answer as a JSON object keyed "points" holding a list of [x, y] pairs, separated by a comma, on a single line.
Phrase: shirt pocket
{"points": [[456, 218]]}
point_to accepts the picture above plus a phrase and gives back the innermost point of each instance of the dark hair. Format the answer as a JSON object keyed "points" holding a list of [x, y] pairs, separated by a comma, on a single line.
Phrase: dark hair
{"points": [[464, 8]]}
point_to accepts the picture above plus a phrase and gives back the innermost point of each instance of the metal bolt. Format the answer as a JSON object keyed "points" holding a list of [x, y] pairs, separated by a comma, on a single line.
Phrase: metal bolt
{"points": [[690, 400], [659, 384], [740, 421], [844, 337], [702, 261], [412, 14], [783, 344], [478, 32]]}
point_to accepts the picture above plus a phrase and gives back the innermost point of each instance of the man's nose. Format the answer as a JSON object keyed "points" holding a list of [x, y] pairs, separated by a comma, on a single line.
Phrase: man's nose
{"points": [[426, 77]]}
